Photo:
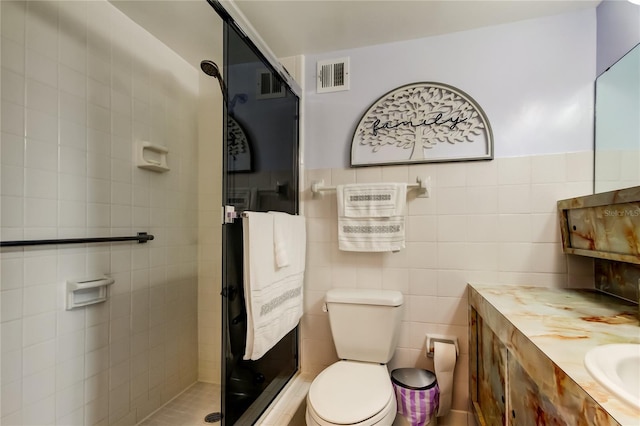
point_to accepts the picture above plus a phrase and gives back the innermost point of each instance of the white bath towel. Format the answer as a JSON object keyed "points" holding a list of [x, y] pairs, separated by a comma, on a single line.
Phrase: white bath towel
{"points": [[273, 294], [371, 217]]}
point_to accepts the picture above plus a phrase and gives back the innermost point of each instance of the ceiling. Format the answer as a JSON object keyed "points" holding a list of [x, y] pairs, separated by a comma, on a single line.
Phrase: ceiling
{"points": [[190, 27], [315, 26], [293, 27]]}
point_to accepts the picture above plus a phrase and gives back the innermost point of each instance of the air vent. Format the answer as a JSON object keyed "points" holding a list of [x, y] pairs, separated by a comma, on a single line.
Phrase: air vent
{"points": [[333, 75], [269, 85]]}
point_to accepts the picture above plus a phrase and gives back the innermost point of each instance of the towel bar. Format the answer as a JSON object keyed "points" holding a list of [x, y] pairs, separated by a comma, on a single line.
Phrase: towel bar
{"points": [[422, 185], [141, 238]]}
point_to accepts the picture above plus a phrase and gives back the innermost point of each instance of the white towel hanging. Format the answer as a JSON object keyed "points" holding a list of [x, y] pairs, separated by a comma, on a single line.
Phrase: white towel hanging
{"points": [[282, 238], [371, 217], [372, 200], [273, 294]]}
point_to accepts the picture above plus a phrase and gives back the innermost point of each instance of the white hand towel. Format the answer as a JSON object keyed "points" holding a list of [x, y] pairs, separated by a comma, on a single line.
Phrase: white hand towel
{"points": [[368, 200], [371, 217], [273, 294], [282, 238]]}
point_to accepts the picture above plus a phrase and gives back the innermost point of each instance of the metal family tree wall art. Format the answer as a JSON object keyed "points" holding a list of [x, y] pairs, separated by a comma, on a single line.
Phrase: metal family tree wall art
{"points": [[238, 147], [421, 123]]}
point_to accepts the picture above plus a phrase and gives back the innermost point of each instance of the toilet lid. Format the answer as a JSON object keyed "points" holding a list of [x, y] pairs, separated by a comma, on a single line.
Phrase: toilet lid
{"points": [[350, 392]]}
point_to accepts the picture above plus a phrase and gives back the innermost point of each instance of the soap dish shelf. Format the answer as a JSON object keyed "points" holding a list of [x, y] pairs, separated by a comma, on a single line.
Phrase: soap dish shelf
{"points": [[87, 291], [152, 157]]}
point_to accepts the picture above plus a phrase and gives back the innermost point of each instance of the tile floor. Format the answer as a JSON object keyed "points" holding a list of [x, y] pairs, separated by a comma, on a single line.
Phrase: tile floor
{"points": [[188, 409]]}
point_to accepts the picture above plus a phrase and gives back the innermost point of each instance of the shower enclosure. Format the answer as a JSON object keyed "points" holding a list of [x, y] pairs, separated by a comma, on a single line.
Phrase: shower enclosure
{"points": [[260, 174], [85, 88]]}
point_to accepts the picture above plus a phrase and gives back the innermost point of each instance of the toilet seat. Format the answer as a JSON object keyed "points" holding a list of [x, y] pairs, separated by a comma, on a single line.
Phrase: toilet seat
{"points": [[352, 393]]}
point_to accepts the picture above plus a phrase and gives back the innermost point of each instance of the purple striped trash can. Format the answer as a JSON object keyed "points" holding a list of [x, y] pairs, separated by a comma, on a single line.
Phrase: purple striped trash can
{"points": [[417, 395]]}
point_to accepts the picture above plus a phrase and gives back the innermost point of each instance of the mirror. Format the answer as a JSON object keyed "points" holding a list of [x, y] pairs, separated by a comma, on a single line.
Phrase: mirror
{"points": [[617, 125]]}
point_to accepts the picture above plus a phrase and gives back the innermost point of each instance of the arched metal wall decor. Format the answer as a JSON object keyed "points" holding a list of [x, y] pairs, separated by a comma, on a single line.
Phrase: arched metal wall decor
{"points": [[238, 147], [421, 123]]}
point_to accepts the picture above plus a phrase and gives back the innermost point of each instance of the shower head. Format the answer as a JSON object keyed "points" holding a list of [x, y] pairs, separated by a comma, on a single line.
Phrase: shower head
{"points": [[210, 68]]}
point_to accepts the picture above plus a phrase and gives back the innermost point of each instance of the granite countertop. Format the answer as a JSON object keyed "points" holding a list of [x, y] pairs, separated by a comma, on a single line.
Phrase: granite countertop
{"points": [[564, 324]]}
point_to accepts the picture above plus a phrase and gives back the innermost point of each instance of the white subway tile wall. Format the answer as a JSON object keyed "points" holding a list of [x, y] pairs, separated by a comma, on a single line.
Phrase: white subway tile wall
{"points": [[486, 221], [210, 232], [81, 83]]}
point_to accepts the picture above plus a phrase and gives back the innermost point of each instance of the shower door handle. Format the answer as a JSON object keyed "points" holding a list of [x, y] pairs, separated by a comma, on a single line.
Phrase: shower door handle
{"points": [[229, 214]]}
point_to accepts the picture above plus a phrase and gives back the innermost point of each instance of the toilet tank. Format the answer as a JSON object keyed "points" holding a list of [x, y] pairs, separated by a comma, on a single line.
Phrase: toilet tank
{"points": [[365, 324]]}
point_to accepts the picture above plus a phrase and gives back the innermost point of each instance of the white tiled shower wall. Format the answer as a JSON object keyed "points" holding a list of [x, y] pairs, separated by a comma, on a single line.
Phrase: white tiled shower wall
{"points": [[209, 230], [485, 221], [81, 84]]}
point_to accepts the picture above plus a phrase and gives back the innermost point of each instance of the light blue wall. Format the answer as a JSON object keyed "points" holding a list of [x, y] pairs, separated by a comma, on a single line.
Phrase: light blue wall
{"points": [[618, 31], [534, 80]]}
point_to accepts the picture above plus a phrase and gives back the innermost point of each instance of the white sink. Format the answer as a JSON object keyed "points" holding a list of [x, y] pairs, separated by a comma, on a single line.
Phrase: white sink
{"points": [[617, 368]]}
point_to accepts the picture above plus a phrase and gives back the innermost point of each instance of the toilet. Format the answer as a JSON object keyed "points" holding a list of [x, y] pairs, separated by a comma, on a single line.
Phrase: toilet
{"points": [[357, 390]]}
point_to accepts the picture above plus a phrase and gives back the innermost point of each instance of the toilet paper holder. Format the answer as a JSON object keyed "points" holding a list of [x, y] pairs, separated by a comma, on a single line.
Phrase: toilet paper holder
{"points": [[432, 338]]}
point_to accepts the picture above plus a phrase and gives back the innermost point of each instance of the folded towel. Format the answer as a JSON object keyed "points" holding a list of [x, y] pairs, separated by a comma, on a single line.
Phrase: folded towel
{"points": [[371, 235], [273, 294], [282, 238], [371, 199], [371, 217]]}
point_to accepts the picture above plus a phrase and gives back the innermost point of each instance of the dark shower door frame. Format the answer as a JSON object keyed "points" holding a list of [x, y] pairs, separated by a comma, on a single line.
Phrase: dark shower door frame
{"points": [[248, 387]]}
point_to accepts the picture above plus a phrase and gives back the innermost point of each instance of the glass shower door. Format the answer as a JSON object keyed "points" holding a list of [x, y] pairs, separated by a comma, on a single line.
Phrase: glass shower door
{"points": [[260, 174]]}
